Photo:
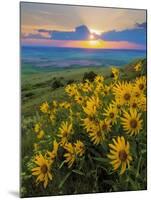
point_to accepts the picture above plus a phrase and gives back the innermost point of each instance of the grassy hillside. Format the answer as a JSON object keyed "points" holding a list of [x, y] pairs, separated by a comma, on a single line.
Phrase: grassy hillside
{"points": [[37, 87]]}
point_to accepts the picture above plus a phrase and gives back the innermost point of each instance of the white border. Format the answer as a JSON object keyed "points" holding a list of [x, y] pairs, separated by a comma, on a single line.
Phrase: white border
{"points": [[9, 98]]}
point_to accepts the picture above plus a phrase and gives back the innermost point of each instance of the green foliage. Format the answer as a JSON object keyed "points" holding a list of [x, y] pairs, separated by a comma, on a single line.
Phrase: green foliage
{"points": [[89, 76], [70, 81], [56, 84]]}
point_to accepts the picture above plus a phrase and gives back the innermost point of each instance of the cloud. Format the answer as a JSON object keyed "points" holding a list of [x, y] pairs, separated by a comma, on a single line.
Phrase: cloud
{"points": [[141, 25], [80, 33], [136, 34], [44, 31], [34, 36]]}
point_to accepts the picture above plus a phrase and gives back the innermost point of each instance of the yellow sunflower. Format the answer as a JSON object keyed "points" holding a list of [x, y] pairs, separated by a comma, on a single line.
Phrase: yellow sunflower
{"points": [[65, 105], [94, 100], [105, 125], [134, 103], [120, 154], [116, 104], [138, 67], [90, 110], [140, 84], [137, 93], [123, 92], [79, 99], [38, 130], [42, 171], [111, 113], [86, 87], [45, 107], [36, 146], [54, 104], [70, 156], [99, 79], [40, 134], [97, 135], [65, 131], [89, 124], [52, 154], [91, 106], [142, 103], [79, 148], [115, 73], [105, 90], [71, 89], [132, 122], [52, 118], [37, 127], [98, 89]]}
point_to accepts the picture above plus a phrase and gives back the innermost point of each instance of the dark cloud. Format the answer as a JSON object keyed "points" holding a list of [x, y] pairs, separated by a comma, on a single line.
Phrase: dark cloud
{"points": [[141, 25], [43, 31], [80, 33], [136, 34], [34, 36]]}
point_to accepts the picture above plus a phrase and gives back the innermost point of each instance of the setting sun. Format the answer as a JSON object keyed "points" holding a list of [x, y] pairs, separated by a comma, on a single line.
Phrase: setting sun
{"points": [[95, 31], [91, 36]]}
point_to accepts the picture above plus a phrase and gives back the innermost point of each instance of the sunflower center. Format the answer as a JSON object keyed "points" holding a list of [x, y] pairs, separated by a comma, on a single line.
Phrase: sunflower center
{"points": [[65, 133], [112, 115], [118, 106], [104, 126], [133, 123], [137, 94], [141, 86], [112, 74], [122, 155], [127, 96], [134, 105], [44, 169], [99, 133]]}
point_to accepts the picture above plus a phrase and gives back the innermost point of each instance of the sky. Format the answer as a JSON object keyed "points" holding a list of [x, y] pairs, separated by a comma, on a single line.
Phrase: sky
{"points": [[82, 27]]}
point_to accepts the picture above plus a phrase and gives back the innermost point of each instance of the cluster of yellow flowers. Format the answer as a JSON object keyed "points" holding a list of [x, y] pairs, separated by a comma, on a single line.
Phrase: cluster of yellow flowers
{"points": [[44, 164], [92, 110]]}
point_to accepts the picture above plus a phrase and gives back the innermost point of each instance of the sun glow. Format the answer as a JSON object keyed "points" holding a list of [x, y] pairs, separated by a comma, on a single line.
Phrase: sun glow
{"points": [[94, 43], [92, 37], [95, 31]]}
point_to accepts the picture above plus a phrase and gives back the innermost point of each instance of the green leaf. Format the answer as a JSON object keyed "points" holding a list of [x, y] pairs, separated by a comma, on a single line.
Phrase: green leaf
{"points": [[78, 172], [143, 151], [94, 152], [103, 160], [62, 164], [133, 184], [109, 182], [64, 180], [138, 166]]}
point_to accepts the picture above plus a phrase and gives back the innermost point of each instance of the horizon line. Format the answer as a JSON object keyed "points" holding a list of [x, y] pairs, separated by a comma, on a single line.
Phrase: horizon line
{"points": [[83, 48]]}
